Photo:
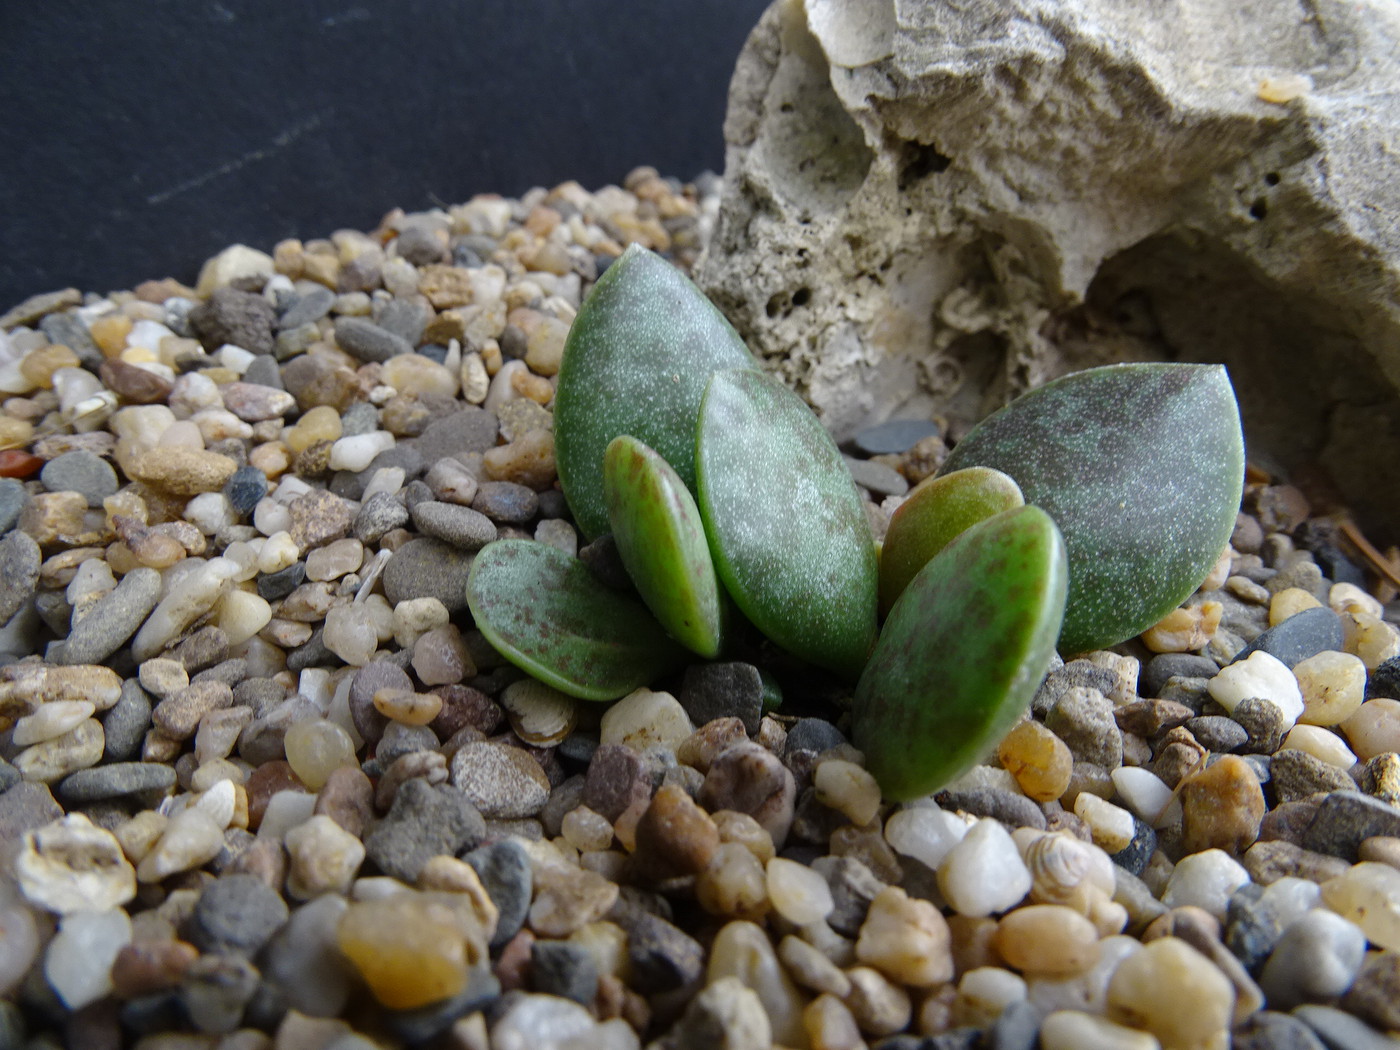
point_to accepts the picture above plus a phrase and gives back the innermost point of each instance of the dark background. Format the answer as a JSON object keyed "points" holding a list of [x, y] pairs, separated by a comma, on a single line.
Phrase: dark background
{"points": [[138, 138]]}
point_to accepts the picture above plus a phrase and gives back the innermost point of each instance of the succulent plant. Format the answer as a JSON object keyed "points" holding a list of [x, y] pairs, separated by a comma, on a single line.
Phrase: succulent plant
{"points": [[732, 510]]}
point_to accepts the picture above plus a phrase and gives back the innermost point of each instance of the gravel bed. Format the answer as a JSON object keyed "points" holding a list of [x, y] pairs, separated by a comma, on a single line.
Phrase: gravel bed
{"points": [[262, 784]]}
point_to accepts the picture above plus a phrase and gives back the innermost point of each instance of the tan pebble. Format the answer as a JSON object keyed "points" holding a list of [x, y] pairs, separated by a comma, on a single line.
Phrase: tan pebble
{"points": [[71, 865], [848, 789], [1184, 630], [446, 874], [50, 721], [54, 758], [139, 834], [734, 884], [1289, 601], [983, 994], [584, 829], [189, 841], [1039, 760], [1222, 807], [734, 826], [799, 893], [146, 967], [607, 943], [567, 898], [39, 365], [1333, 685], [810, 968], [317, 748], [1321, 743], [110, 332], [906, 938], [879, 1006], [1047, 939], [183, 471], [323, 858], [1149, 987], [1375, 728], [830, 1025], [536, 388], [1349, 598], [1369, 895], [408, 707], [1077, 1030], [704, 745], [742, 950], [625, 826], [1111, 826], [1383, 849], [1370, 638]]}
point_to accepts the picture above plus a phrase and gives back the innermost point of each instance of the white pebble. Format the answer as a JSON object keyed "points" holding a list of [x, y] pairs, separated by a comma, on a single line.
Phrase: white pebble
{"points": [[209, 512], [1263, 676], [314, 684], [147, 335], [358, 452], [799, 893], [190, 840], [1112, 826], [925, 833], [271, 517], [243, 614], [285, 810], [1147, 795], [51, 720], [385, 480], [1322, 744], [350, 634], [1207, 880], [218, 803], [1077, 1030], [191, 598], [644, 718], [984, 874], [234, 358], [278, 551], [79, 959]]}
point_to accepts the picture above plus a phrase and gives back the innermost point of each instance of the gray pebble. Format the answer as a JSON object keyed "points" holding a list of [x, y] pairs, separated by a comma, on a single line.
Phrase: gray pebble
{"points": [[274, 586], [20, 559], [1347, 817], [1339, 1030], [240, 318], [359, 418], [1217, 732], [1375, 994], [617, 777], [1315, 960], [1073, 675], [1012, 809], [365, 340], [423, 822], [215, 991], [294, 341], [304, 960], [876, 477], [125, 725], [663, 957], [1263, 722], [1170, 665], [245, 488], [460, 526], [506, 875], [312, 653], [1297, 774], [236, 914], [428, 568], [813, 734], [12, 498], [564, 969], [723, 690], [1302, 635], [83, 472], [1083, 719], [1269, 1030], [205, 648], [895, 436], [1190, 691], [367, 681], [406, 319], [853, 887], [263, 371], [113, 619], [307, 308], [115, 780], [68, 329], [472, 429], [506, 501], [1016, 1028]]}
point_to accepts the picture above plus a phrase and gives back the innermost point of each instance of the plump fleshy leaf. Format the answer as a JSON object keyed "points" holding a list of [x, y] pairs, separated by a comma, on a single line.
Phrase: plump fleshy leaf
{"points": [[637, 359], [547, 613], [937, 510], [1141, 466], [661, 541], [962, 653], [786, 527]]}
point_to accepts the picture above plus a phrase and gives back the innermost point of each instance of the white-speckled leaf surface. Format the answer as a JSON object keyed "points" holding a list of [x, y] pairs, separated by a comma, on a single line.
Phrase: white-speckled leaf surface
{"points": [[1141, 466], [785, 523], [637, 359]]}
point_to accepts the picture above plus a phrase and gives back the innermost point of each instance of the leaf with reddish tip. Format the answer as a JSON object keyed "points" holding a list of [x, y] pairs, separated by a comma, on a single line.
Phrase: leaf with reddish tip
{"points": [[636, 361], [1141, 466], [962, 653], [661, 541], [547, 613], [786, 526], [935, 512]]}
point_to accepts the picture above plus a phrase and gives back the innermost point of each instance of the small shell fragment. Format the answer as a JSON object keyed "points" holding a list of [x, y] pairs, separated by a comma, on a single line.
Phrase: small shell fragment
{"points": [[539, 714]]}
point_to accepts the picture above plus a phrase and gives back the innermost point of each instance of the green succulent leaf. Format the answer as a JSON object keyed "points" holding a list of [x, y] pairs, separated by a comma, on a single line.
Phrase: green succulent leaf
{"points": [[962, 653], [661, 541], [547, 613], [636, 361], [786, 526], [1141, 466], [937, 510]]}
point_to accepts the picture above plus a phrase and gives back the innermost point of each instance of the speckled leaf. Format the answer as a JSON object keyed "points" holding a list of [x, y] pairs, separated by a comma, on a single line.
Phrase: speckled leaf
{"points": [[962, 653], [789, 535], [636, 361], [935, 512], [1141, 466], [661, 541], [545, 612]]}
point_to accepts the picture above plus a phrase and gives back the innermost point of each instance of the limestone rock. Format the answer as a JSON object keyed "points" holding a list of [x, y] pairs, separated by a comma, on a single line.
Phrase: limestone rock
{"points": [[930, 207]]}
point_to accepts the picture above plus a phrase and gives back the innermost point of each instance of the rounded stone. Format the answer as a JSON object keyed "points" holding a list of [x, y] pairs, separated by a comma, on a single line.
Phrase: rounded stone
{"points": [[83, 472]]}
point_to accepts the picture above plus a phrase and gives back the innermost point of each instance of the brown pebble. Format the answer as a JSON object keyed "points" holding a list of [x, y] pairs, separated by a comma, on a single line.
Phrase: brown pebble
{"points": [[145, 967], [1290, 821], [616, 780], [675, 836], [1221, 807], [319, 517], [1375, 994], [183, 471], [512, 966], [178, 716], [1384, 849], [1147, 718], [135, 386], [1268, 862], [702, 747], [464, 706], [347, 797], [265, 859], [264, 782], [752, 780], [1177, 759]]}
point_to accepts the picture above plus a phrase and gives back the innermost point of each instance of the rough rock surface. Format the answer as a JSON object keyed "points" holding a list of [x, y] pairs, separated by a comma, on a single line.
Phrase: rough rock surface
{"points": [[930, 207]]}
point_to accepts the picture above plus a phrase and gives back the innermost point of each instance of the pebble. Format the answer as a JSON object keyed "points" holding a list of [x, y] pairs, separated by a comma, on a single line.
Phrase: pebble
{"points": [[1333, 685], [1077, 1030], [1264, 724], [506, 875], [983, 874], [1146, 796], [236, 914], [423, 822], [503, 783], [1083, 719], [460, 526], [1296, 775], [505, 501], [742, 951], [20, 558], [1039, 760], [80, 471], [925, 833], [78, 961], [894, 437], [1367, 895], [906, 939], [676, 837], [1260, 675], [1112, 827], [1222, 807], [568, 898], [1300, 636], [1375, 728], [723, 690], [51, 720], [1205, 880], [411, 949], [115, 780], [323, 858], [752, 780], [1341, 1030], [71, 865], [428, 568], [1148, 988], [1314, 960], [53, 759]]}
